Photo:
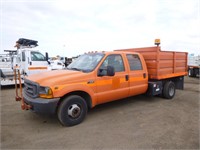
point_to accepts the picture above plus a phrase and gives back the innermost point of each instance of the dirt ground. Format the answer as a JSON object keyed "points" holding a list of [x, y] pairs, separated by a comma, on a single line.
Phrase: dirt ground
{"points": [[134, 123]]}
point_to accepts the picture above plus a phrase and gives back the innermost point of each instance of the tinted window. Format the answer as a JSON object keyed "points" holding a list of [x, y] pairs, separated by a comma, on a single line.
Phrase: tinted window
{"points": [[134, 62]]}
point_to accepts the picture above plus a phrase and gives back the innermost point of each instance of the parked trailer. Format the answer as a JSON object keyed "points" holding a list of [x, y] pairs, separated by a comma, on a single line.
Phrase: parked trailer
{"points": [[193, 66]]}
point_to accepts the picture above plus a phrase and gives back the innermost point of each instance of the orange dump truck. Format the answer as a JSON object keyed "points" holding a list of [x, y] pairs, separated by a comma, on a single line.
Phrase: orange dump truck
{"points": [[100, 77]]}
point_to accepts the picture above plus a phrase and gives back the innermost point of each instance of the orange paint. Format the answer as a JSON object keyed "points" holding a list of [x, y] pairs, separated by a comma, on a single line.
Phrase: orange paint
{"points": [[37, 68], [162, 64]]}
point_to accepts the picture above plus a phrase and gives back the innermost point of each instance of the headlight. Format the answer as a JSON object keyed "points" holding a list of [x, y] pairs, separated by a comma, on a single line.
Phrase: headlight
{"points": [[45, 92]]}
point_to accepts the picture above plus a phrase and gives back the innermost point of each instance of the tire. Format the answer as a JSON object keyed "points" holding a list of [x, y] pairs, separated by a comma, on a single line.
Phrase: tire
{"points": [[169, 90], [72, 110]]}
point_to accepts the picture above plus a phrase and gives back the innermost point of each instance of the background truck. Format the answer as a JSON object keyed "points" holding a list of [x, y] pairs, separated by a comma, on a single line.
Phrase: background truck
{"points": [[6, 65], [100, 77], [64, 60], [193, 65], [26, 59]]}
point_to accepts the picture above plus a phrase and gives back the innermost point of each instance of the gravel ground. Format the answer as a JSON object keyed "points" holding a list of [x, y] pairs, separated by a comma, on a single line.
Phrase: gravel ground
{"points": [[137, 122]]}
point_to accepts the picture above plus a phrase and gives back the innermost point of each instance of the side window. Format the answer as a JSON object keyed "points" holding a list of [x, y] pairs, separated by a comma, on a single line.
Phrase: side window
{"points": [[23, 56], [37, 56], [134, 62], [114, 60]]}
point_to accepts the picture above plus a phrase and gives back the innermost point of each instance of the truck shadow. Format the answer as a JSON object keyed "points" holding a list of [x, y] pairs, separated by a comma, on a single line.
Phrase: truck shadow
{"points": [[130, 101], [6, 87], [97, 110], [10, 87]]}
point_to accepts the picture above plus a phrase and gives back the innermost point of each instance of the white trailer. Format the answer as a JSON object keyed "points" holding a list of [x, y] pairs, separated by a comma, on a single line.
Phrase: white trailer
{"points": [[193, 65]]}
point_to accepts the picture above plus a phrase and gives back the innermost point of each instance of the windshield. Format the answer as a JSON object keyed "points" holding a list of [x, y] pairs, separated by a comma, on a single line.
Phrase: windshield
{"points": [[86, 62]]}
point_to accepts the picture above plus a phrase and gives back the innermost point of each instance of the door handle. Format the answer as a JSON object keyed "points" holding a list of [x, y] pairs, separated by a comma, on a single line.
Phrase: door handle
{"points": [[144, 75], [127, 77]]}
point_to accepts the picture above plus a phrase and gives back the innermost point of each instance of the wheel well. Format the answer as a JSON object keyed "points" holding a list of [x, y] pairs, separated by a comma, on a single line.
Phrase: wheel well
{"points": [[178, 81], [83, 94]]}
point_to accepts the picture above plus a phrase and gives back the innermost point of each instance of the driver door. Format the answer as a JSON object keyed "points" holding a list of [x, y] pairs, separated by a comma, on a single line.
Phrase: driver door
{"points": [[37, 63], [115, 87]]}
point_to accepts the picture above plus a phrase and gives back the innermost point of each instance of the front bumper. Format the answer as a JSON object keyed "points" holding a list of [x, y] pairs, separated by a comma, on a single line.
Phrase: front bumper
{"points": [[41, 105]]}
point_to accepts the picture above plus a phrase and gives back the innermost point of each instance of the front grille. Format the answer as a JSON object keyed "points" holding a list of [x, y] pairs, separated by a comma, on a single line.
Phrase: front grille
{"points": [[31, 88]]}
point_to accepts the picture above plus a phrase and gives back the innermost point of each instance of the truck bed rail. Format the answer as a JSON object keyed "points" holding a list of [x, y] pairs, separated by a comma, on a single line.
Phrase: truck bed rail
{"points": [[162, 64]]}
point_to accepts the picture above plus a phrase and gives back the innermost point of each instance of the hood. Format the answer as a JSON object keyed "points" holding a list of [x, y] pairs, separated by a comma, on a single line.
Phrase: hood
{"points": [[57, 77]]}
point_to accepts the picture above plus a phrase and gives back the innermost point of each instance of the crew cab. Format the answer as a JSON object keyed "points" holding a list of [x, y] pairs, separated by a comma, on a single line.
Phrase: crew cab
{"points": [[99, 77]]}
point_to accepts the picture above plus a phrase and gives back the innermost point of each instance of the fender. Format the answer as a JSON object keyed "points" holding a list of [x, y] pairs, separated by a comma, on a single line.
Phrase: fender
{"points": [[60, 91]]}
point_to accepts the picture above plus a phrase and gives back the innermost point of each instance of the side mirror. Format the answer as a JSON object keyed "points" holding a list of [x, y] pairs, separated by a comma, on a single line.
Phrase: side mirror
{"points": [[47, 56], [109, 71]]}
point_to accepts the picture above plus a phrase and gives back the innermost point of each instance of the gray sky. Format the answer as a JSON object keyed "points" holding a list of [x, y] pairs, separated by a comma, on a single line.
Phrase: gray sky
{"points": [[70, 28]]}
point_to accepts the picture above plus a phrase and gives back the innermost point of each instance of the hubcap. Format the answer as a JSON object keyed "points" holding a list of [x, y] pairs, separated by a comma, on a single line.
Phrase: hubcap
{"points": [[171, 91], [74, 111]]}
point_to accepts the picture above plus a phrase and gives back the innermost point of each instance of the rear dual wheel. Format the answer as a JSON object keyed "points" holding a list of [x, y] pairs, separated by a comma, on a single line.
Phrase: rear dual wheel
{"points": [[72, 110], [169, 90]]}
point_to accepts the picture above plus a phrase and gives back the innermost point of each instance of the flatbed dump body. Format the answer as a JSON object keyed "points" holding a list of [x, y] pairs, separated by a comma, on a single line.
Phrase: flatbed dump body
{"points": [[162, 64]]}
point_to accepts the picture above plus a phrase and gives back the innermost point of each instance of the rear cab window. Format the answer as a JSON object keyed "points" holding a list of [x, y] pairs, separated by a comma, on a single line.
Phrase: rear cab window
{"points": [[134, 62]]}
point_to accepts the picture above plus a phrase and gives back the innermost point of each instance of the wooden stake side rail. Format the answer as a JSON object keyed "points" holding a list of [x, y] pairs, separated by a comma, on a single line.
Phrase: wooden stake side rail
{"points": [[162, 64]]}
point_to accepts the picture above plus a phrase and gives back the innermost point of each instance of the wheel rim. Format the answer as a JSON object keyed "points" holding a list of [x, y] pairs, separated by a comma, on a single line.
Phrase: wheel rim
{"points": [[171, 90], [74, 111]]}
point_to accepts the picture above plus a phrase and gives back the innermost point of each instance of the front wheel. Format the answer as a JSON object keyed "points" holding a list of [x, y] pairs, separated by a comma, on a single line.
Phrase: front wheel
{"points": [[169, 90], [72, 110]]}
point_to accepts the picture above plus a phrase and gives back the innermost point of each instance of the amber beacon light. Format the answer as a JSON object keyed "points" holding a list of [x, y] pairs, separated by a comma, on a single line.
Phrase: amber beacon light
{"points": [[157, 42]]}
